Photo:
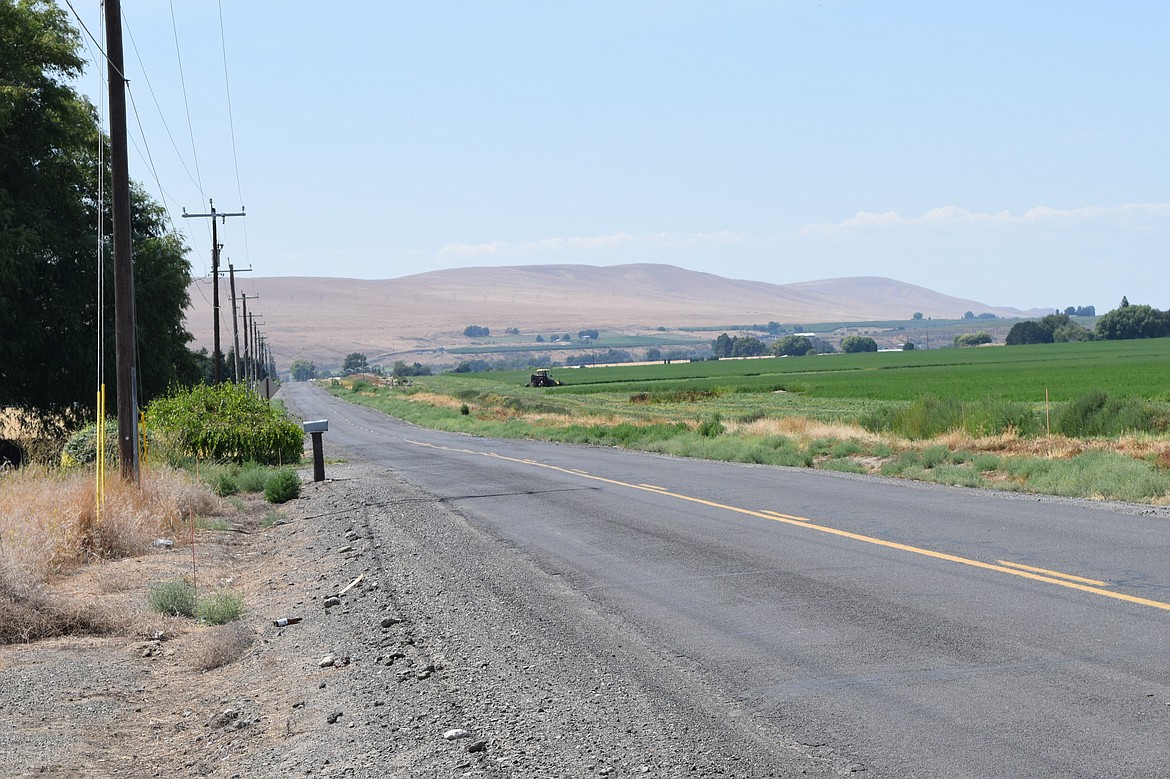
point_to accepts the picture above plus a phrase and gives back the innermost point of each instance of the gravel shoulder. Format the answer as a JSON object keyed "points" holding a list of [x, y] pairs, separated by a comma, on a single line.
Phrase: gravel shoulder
{"points": [[447, 653]]}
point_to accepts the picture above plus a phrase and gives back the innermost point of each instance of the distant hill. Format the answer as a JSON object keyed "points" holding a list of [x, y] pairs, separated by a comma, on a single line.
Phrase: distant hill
{"points": [[323, 319]]}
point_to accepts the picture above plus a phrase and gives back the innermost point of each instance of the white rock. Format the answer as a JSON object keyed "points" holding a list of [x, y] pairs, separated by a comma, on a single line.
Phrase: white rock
{"points": [[455, 733]]}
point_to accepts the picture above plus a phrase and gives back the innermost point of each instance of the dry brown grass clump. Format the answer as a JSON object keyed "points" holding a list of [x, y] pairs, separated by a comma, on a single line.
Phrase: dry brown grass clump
{"points": [[219, 646], [803, 429], [435, 399], [49, 523]]}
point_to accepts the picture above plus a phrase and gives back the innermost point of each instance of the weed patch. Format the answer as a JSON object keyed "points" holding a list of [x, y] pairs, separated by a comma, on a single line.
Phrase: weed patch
{"points": [[175, 598], [283, 486], [220, 607]]}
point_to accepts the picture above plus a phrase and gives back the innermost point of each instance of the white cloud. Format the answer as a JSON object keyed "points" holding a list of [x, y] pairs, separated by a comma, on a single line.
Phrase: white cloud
{"points": [[587, 244], [953, 216]]}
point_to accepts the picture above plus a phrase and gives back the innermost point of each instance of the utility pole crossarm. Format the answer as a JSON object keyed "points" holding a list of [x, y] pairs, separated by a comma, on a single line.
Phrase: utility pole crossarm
{"points": [[216, 356]]}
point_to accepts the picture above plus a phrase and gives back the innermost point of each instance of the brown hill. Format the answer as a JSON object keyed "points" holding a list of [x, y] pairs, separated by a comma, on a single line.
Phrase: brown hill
{"points": [[323, 319]]}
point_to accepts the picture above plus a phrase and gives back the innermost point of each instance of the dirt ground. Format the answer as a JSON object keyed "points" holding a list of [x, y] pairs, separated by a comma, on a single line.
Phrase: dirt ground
{"points": [[139, 703]]}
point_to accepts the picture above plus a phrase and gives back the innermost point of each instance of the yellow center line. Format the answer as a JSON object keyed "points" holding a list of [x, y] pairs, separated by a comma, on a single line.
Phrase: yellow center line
{"points": [[779, 515], [1047, 572], [804, 522]]}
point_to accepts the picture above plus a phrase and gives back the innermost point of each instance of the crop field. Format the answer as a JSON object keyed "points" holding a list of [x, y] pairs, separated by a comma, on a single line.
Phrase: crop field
{"points": [[1018, 373]]}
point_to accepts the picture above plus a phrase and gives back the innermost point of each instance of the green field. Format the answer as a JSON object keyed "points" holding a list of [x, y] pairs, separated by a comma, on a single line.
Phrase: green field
{"points": [[1017, 373]]}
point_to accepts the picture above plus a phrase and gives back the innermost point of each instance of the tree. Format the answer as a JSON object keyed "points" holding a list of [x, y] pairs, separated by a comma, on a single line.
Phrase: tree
{"points": [[1070, 311], [302, 370], [722, 345], [475, 331], [917, 315], [653, 354], [49, 209], [908, 346], [354, 362], [858, 343], [1138, 321], [748, 346], [1124, 302], [774, 328], [792, 346], [968, 315], [1028, 332], [588, 334], [401, 370], [540, 339], [972, 339]]}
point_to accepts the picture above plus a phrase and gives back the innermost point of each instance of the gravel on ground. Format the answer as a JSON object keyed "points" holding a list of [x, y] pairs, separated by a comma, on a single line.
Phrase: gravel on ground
{"points": [[415, 646]]}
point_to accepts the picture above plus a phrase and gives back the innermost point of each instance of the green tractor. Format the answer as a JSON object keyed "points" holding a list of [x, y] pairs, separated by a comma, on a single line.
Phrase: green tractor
{"points": [[542, 378]]}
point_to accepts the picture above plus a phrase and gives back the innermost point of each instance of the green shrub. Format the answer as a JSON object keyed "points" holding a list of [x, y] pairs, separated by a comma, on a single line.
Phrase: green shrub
{"points": [[934, 455], [81, 448], [175, 597], [711, 427], [222, 482], [253, 477], [842, 464], [221, 607], [930, 416], [1100, 474], [1098, 414], [845, 449], [959, 475], [986, 462], [226, 422], [283, 486]]}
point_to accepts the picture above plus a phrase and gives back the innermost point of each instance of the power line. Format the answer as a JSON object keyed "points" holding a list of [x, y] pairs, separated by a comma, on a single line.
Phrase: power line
{"points": [[105, 57], [186, 104], [231, 122], [154, 96]]}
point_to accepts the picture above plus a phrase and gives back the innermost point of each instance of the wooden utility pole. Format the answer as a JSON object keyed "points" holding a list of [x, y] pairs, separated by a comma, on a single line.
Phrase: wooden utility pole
{"points": [[124, 316], [247, 340], [235, 328], [216, 355]]}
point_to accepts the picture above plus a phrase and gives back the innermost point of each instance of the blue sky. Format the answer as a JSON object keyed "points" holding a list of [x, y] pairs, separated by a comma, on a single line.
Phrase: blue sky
{"points": [[1010, 152]]}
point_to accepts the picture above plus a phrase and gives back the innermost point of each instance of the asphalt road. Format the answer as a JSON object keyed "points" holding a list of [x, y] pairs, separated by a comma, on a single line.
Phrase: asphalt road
{"points": [[913, 630]]}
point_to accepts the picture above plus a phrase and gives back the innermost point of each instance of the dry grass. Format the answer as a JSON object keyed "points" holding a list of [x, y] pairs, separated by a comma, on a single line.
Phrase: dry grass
{"points": [[435, 399], [802, 429], [219, 646], [49, 524]]}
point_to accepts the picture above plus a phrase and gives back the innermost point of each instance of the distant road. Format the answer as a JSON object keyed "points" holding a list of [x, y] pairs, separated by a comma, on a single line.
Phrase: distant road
{"points": [[913, 630]]}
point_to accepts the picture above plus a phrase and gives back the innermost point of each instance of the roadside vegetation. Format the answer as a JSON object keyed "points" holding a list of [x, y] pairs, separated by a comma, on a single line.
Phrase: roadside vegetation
{"points": [[203, 445], [1078, 419]]}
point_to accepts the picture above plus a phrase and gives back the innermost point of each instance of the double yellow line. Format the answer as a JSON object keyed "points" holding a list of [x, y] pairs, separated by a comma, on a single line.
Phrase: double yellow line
{"points": [[1070, 581]]}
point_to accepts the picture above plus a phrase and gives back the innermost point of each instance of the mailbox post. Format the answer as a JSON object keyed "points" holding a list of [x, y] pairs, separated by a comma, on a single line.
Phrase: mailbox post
{"points": [[315, 429]]}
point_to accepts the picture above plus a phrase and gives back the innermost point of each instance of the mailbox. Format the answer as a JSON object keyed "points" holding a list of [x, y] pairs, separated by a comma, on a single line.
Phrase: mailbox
{"points": [[315, 429]]}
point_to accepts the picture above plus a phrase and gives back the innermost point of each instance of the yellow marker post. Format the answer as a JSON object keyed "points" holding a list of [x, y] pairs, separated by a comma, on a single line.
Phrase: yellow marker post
{"points": [[99, 453]]}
